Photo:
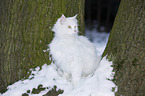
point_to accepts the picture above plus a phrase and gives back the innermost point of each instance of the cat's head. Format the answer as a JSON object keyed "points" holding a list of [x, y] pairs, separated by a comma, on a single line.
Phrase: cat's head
{"points": [[65, 26]]}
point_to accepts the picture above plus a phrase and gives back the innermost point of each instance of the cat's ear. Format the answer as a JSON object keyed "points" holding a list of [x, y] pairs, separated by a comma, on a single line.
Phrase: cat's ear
{"points": [[62, 19], [74, 17]]}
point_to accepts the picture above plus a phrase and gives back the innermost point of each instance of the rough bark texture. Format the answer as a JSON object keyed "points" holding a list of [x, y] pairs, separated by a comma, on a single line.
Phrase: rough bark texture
{"points": [[126, 48], [25, 31]]}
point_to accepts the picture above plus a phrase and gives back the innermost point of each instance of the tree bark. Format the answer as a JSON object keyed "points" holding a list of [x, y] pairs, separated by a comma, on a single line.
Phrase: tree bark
{"points": [[25, 31], [126, 48]]}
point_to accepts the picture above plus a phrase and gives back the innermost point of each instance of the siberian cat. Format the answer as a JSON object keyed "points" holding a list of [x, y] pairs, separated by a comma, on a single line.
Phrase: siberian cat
{"points": [[75, 56]]}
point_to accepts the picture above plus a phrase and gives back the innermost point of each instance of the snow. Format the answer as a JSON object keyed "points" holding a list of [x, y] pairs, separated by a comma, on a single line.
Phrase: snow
{"points": [[96, 84]]}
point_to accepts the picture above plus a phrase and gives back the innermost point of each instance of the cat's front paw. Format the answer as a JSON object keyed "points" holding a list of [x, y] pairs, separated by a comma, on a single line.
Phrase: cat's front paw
{"points": [[75, 83], [66, 76], [76, 77]]}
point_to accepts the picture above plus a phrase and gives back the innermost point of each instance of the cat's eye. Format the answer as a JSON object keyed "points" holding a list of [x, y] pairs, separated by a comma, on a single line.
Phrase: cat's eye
{"points": [[69, 27], [75, 27]]}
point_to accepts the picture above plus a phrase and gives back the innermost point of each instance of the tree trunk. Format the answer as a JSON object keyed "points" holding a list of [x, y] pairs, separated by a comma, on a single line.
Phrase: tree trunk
{"points": [[126, 48], [25, 31]]}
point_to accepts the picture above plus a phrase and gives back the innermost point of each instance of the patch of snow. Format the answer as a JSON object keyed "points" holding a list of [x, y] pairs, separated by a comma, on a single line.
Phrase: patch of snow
{"points": [[93, 85]]}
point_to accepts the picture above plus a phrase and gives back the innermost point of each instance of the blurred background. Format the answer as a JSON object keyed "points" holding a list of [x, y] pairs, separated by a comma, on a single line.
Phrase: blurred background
{"points": [[100, 14], [99, 19]]}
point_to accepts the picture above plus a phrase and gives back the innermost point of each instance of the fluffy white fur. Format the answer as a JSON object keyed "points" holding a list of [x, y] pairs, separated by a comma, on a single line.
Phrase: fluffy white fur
{"points": [[75, 56]]}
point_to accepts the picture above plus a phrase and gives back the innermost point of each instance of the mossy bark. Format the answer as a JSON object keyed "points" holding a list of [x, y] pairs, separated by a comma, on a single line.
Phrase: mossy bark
{"points": [[126, 48], [25, 31]]}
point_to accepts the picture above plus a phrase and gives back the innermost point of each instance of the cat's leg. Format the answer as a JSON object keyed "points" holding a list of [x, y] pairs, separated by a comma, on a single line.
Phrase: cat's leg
{"points": [[76, 75], [66, 76], [63, 73]]}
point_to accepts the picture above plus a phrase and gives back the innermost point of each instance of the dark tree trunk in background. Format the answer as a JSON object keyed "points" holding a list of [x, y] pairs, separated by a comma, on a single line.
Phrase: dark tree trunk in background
{"points": [[107, 23], [88, 4], [126, 48], [99, 14], [25, 31]]}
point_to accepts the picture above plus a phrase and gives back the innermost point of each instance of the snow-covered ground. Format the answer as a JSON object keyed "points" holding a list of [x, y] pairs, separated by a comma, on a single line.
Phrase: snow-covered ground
{"points": [[96, 84]]}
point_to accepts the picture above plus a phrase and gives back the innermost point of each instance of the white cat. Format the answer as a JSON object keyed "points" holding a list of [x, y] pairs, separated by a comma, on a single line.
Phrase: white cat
{"points": [[73, 54]]}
